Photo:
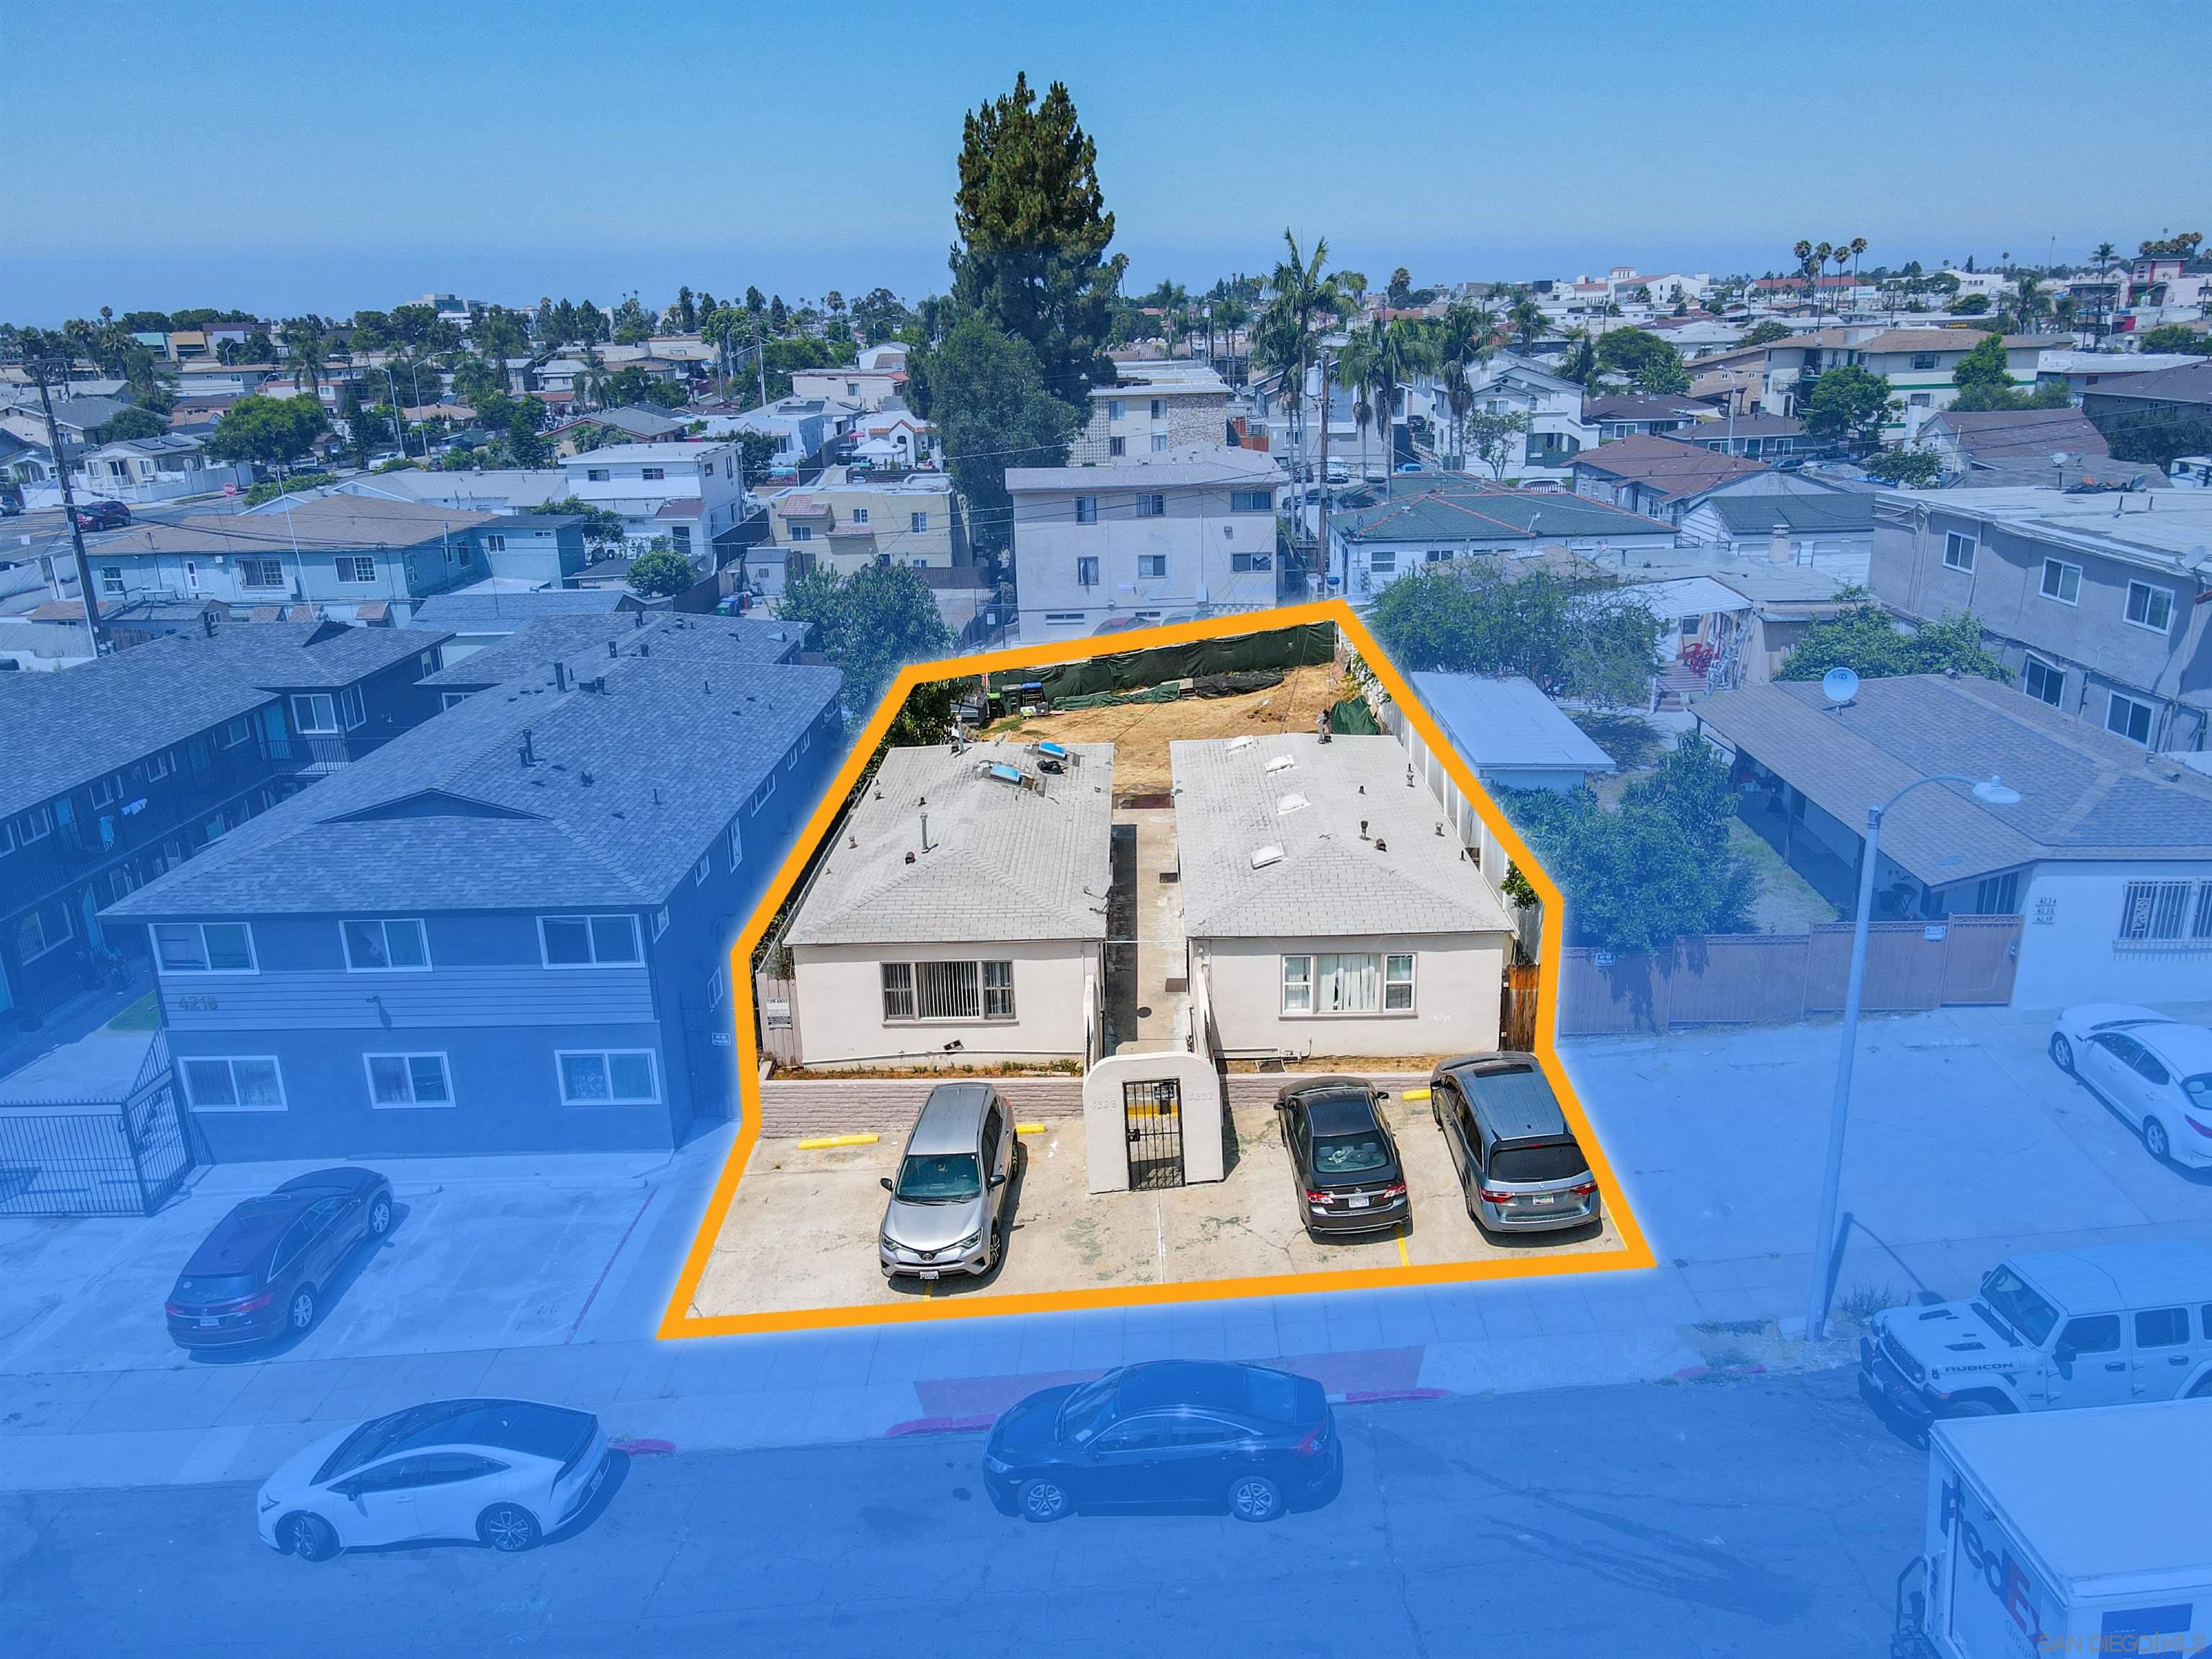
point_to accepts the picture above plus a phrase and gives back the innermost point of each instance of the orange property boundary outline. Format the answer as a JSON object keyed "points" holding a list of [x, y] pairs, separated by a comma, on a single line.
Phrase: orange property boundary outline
{"points": [[679, 1321]]}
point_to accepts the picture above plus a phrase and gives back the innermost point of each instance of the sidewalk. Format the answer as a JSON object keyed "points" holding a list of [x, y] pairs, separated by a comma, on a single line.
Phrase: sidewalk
{"points": [[1967, 1145]]}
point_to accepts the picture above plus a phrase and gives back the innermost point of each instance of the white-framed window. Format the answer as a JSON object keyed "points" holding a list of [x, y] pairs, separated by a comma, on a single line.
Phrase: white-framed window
{"points": [[105, 790], [1251, 501], [799, 532], [320, 713], [2127, 717], [1347, 983], [2061, 582], [1151, 564], [661, 921], [860, 515], [588, 941], [1117, 446], [703, 869], [737, 845], [37, 824], [47, 927], [1383, 561], [385, 945], [1087, 509], [606, 1076], [2150, 607], [1086, 571], [1159, 442], [111, 579], [2044, 682], [947, 990], [449, 699], [1062, 619], [232, 1083], [408, 1080], [1116, 409], [492, 544], [205, 947], [917, 523], [1159, 409], [357, 567], [238, 730], [595, 475], [1959, 551], [1152, 506], [761, 795], [653, 474], [155, 767]]}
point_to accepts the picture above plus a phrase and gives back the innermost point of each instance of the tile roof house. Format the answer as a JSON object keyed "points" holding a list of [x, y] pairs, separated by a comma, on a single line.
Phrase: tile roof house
{"points": [[517, 914], [1329, 907], [2108, 853], [1662, 477], [1964, 438], [959, 906]]}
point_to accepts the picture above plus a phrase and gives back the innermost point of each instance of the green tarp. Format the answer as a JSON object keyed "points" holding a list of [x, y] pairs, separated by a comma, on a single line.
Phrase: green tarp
{"points": [[1350, 719]]}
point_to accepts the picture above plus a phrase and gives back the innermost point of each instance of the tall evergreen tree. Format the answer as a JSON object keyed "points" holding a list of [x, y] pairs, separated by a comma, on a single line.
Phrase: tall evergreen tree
{"points": [[1033, 235]]}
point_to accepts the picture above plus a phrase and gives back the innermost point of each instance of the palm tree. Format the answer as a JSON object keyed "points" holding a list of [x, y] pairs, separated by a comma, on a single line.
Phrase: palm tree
{"points": [[1464, 337], [591, 384], [1401, 350], [303, 341], [1526, 318], [1355, 373], [1304, 298], [2104, 254]]}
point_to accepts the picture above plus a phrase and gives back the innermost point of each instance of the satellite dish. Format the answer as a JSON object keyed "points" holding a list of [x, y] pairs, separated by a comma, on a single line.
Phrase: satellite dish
{"points": [[1839, 686]]}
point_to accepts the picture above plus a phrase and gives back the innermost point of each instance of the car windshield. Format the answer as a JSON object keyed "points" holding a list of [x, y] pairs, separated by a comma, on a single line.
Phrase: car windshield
{"points": [[2019, 1305], [1086, 1407], [377, 1437], [937, 1178], [1349, 1154], [1558, 1161]]}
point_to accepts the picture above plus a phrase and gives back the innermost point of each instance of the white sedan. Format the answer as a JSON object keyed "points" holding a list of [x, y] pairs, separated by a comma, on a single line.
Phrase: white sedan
{"points": [[503, 1472], [2154, 1072]]}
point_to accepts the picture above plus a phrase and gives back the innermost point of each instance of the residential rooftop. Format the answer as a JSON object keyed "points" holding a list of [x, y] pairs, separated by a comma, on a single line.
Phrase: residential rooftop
{"points": [[1457, 508], [2168, 530], [1272, 851], [1506, 723], [1824, 513], [482, 609], [585, 642], [322, 522], [1002, 860], [1676, 468], [1185, 466], [520, 798], [2084, 794]]}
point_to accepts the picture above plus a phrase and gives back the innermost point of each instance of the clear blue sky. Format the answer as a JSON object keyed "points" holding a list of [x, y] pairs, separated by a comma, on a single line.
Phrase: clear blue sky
{"points": [[334, 155]]}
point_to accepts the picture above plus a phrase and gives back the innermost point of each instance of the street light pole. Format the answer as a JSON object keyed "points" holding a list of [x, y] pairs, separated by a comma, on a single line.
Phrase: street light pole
{"points": [[94, 631], [1992, 792]]}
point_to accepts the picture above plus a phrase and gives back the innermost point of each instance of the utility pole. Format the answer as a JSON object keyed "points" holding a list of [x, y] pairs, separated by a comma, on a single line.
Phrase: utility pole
{"points": [[1321, 532], [92, 624]]}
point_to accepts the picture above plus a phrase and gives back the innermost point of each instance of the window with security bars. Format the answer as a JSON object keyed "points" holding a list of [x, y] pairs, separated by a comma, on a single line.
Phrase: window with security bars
{"points": [[948, 990], [2158, 911]]}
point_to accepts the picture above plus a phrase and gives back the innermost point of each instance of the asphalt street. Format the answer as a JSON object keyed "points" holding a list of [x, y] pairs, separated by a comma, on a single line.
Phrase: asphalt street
{"points": [[1755, 1516]]}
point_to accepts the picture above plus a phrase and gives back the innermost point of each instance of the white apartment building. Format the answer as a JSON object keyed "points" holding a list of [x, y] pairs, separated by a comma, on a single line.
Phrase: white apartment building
{"points": [[1151, 408], [690, 493], [1183, 532]]}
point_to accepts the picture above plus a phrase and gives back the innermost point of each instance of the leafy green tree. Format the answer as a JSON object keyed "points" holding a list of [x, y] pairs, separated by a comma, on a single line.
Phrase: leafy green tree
{"points": [[984, 390], [1984, 365], [631, 386], [2156, 436], [1850, 406], [1913, 469], [1867, 639], [1642, 358], [304, 345], [269, 489], [2174, 336], [1765, 332], [499, 334], [1654, 870], [756, 453], [661, 572], [1525, 318], [476, 382], [869, 625], [1033, 234], [1496, 440], [602, 527], [1580, 363], [1974, 305], [1588, 639], [633, 323], [275, 431], [130, 421]]}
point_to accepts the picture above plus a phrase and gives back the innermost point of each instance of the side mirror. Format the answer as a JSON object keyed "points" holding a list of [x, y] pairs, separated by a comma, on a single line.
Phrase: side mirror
{"points": [[2065, 1353], [1382, 1094], [885, 1183], [997, 1181]]}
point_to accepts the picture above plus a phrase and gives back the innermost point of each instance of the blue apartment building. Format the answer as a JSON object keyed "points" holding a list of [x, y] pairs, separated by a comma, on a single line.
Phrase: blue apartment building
{"points": [[115, 771], [507, 929]]}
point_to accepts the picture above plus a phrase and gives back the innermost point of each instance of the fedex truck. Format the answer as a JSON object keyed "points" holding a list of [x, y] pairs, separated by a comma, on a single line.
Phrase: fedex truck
{"points": [[2057, 1533]]}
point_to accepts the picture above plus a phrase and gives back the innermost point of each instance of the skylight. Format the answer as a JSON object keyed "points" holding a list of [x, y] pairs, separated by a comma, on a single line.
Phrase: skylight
{"points": [[1280, 763], [1290, 803], [1235, 744], [1264, 856]]}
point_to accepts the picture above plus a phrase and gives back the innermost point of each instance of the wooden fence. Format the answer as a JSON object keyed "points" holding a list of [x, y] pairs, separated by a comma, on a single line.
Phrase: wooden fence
{"points": [[1772, 979]]}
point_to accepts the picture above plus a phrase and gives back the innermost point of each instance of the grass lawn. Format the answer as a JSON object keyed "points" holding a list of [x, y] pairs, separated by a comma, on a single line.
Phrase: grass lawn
{"points": [[1785, 902]]}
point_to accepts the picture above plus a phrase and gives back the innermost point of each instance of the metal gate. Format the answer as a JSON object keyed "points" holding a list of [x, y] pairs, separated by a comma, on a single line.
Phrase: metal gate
{"points": [[97, 1158], [1152, 1113]]}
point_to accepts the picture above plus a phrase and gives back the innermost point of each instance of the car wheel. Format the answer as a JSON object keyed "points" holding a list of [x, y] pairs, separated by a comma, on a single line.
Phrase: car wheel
{"points": [[380, 1216], [299, 1311], [1255, 1498], [2061, 1053], [2155, 1140], [997, 1247], [1042, 1500], [307, 1536], [509, 1528], [2204, 1389]]}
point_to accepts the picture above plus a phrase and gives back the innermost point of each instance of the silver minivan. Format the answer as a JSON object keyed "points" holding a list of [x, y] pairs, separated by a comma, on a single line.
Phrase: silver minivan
{"points": [[947, 1208], [1518, 1162]]}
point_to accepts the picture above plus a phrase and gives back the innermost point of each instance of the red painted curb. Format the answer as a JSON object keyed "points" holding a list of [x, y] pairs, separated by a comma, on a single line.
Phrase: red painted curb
{"points": [[940, 1426], [644, 1448]]}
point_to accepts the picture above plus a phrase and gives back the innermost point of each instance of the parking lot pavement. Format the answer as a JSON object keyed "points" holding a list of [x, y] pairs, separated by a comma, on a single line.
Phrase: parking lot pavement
{"points": [[1967, 1143], [487, 1253], [801, 1228]]}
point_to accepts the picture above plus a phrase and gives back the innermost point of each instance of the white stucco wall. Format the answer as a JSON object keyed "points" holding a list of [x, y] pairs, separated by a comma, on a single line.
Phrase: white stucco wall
{"points": [[2069, 948], [1456, 980], [841, 1004], [1105, 1128]]}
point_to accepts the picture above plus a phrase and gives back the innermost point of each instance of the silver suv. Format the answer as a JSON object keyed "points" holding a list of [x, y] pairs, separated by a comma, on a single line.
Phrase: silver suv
{"points": [[947, 1209]]}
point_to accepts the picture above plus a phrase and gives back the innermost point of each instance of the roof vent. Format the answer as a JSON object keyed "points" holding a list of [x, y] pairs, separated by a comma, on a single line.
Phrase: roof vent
{"points": [[1264, 856], [1289, 803], [1235, 744], [1280, 763]]}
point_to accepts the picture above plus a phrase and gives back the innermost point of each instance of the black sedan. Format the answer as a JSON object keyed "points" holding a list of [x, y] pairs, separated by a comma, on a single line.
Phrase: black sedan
{"points": [[1343, 1160], [261, 1274], [1178, 1434], [100, 515]]}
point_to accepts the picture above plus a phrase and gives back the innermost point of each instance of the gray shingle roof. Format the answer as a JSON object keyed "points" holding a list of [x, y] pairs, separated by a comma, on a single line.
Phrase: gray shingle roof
{"points": [[1835, 513], [629, 785], [1004, 862], [1467, 512], [1677, 469], [282, 655], [1328, 884], [2084, 794], [582, 642], [324, 522], [482, 613]]}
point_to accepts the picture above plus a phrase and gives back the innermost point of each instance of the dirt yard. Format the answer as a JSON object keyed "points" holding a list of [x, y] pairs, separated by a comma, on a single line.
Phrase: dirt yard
{"points": [[1141, 732]]}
